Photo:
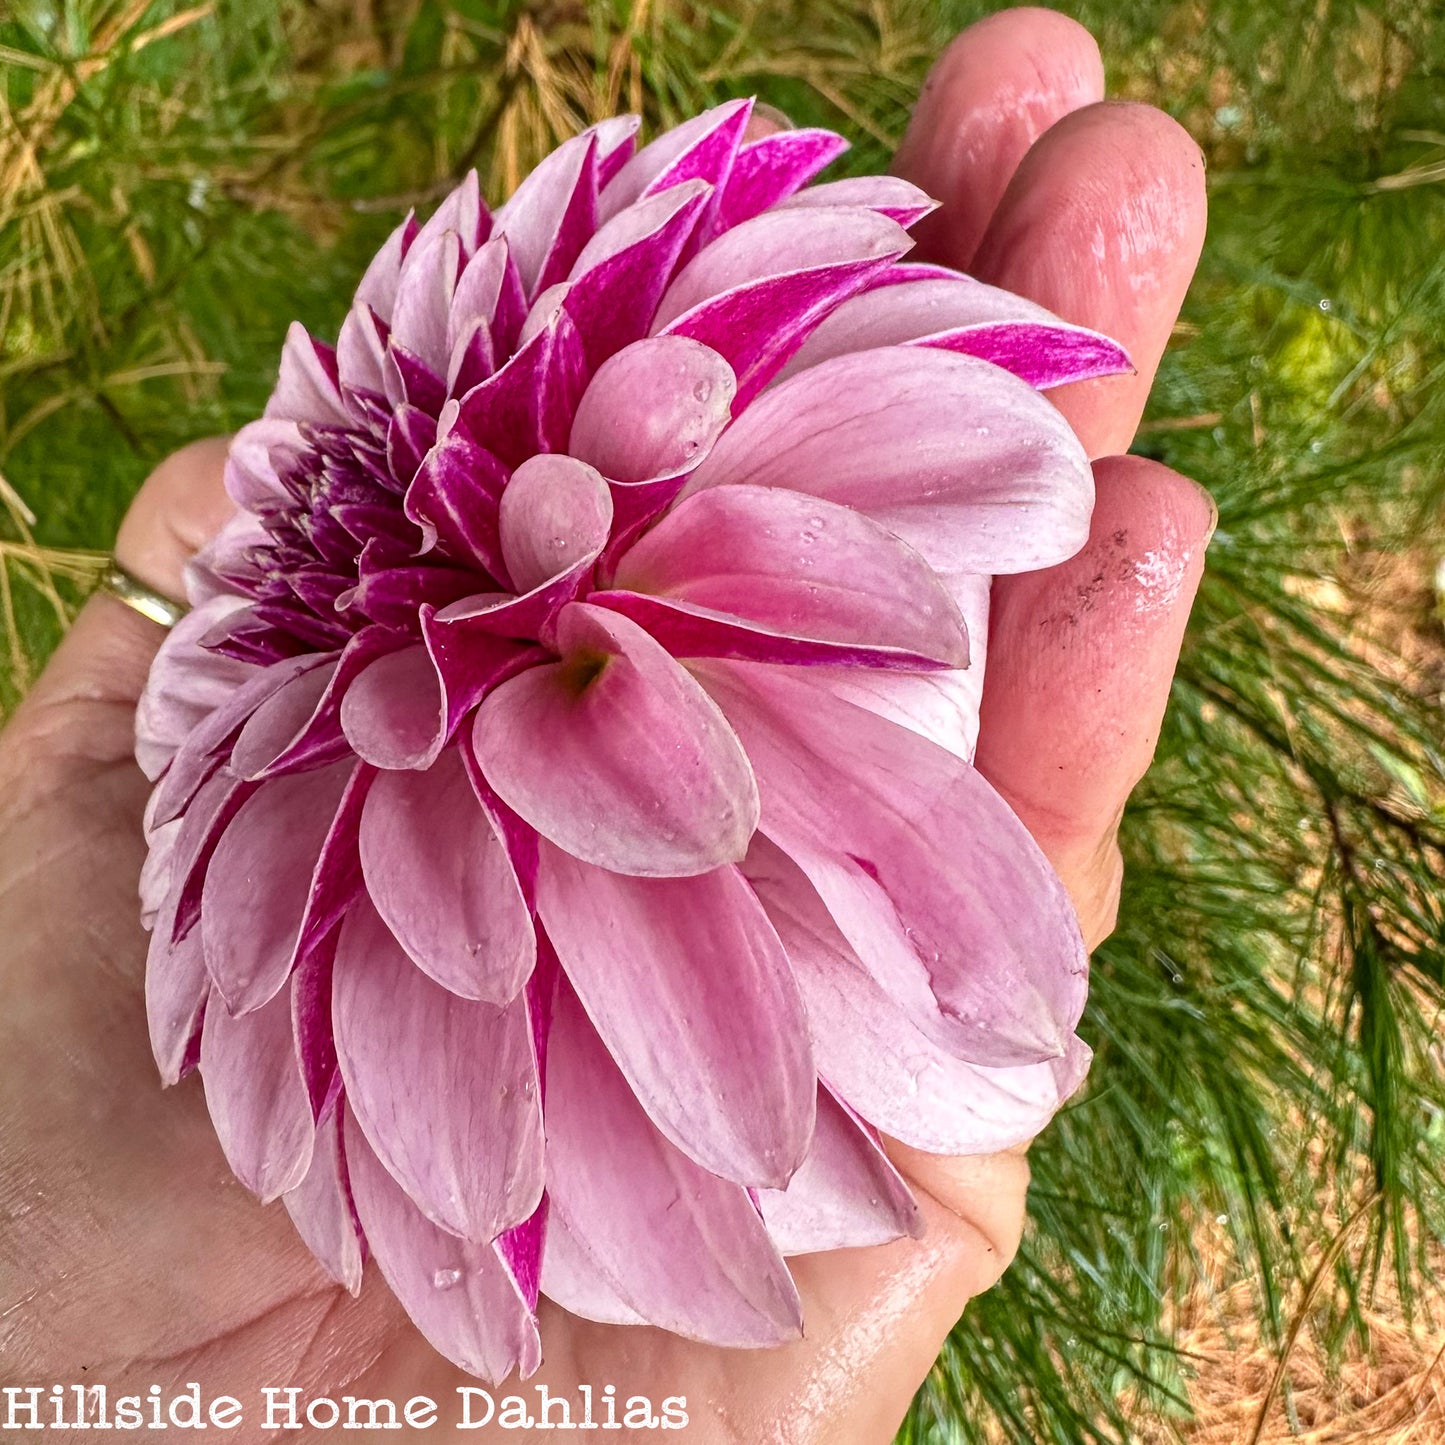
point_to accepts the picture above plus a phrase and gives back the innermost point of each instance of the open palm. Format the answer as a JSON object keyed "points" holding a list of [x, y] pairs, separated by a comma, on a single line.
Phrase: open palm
{"points": [[131, 1257]]}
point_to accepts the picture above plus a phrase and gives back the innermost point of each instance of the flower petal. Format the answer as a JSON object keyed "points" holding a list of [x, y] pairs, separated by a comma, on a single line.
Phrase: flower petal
{"points": [[259, 880], [929, 875], [701, 148], [570, 1279], [880, 431], [616, 755], [688, 986], [552, 212], [681, 1248], [772, 167], [459, 1294], [306, 387], [176, 989], [320, 1207], [445, 1089], [653, 410], [890, 196], [755, 292], [846, 1194], [793, 567], [874, 1056], [438, 871], [957, 313], [254, 1092], [555, 516]]}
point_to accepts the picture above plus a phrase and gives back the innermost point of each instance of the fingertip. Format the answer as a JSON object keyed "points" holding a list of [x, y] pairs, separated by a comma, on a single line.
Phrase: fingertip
{"points": [[178, 509], [998, 86], [1081, 660], [1103, 224]]}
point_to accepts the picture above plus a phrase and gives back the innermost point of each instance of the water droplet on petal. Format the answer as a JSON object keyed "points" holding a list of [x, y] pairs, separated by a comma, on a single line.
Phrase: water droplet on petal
{"points": [[446, 1279]]}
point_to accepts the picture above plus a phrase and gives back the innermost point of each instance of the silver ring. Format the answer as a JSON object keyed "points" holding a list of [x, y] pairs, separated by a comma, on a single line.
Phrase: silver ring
{"points": [[126, 587]]}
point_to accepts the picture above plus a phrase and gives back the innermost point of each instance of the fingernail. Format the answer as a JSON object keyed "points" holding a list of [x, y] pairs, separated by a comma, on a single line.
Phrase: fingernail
{"points": [[767, 119]]}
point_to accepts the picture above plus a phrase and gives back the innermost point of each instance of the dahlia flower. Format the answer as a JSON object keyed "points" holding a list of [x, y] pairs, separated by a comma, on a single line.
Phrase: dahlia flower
{"points": [[565, 858]]}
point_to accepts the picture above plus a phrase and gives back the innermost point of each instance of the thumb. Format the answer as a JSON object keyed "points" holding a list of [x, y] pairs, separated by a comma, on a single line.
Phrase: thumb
{"points": [[1081, 657], [82, 707]]}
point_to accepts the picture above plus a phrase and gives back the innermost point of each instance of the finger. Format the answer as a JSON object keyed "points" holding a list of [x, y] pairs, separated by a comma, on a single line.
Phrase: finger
{"points": [[82, 707], [1103, 223], [1080, 661], [994, 91], [180, 507]]}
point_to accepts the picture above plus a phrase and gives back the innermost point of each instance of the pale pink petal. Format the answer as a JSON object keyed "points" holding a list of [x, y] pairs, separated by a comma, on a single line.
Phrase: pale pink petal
{"points": [[795, 567], [438, 871], [186, 685], [678, 1246], [424, 298], [555, 515], [361, 353], [176, 989], [489, 292], [653, 410], [846, 1194], [306, 389], [616, 755], [463, 212], [940, 706], [445, 1089], [320, 1207], [570, 1279], [688, 986], [459, 1294], [378, 286], [251, 476], [261, 872], [254, 1092], [1010, 490], [890, 196], [927, 872], [877, 1058]]}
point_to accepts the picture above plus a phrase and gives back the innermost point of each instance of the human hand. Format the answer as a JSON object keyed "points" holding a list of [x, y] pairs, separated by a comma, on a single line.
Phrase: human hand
{"points": [[132, 1256]]}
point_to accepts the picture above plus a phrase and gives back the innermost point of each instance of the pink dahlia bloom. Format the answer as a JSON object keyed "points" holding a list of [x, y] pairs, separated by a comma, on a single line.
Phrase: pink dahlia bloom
{"points": [[565, 854]]}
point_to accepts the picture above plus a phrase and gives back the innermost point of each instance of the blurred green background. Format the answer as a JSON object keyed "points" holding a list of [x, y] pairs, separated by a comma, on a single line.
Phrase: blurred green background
{"points": [[1235, 1230]]}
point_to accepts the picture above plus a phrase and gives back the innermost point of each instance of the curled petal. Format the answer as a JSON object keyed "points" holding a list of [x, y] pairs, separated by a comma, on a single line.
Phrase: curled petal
{"points": [[653, 409], [555, 516], [616, 755]]}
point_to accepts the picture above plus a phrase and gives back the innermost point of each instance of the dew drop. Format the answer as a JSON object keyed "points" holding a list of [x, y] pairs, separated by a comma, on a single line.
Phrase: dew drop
{"points": [[702, 390], [446, 1279]]}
